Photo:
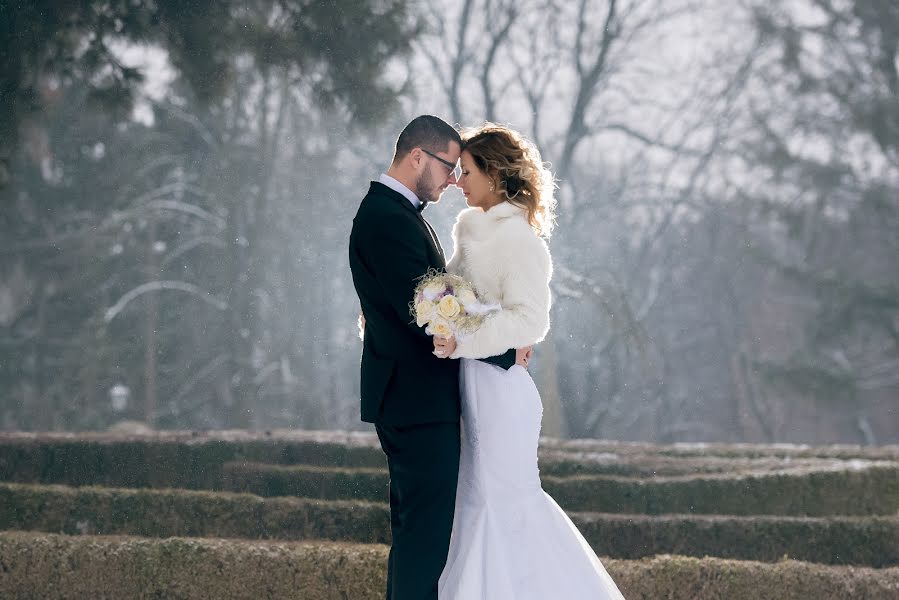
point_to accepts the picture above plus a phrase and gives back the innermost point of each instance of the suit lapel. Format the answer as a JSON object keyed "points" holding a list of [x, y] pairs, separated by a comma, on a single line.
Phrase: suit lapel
{"points": [[434, 239], [383, 190]]}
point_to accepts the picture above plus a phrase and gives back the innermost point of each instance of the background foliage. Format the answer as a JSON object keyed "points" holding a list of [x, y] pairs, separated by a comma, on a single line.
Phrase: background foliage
{"points": [[177, 181]]}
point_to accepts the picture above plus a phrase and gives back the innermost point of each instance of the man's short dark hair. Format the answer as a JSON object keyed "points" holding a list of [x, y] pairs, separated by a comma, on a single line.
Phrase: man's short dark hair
{"points": [[427, 132]]}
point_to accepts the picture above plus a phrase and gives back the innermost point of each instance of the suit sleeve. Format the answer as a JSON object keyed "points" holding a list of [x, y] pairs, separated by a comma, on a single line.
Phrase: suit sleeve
{"points": [[397, 258], [503, 360]]}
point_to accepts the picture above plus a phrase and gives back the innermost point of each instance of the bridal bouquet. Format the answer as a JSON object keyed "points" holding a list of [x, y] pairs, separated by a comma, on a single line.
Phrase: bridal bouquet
{"points": [[448, 305]]}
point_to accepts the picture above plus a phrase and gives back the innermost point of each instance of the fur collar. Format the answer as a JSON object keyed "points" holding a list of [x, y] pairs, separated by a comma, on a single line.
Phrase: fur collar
{"points": [[481, 223]]}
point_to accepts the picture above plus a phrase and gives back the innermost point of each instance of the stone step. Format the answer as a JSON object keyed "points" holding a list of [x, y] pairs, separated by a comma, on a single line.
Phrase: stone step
{"points": [[57, 567], [867, 541]]}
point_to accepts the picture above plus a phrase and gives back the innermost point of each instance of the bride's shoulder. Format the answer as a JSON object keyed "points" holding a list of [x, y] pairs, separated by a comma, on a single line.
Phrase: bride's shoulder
{"points": [[516, 243], [504, 218], [465, 222], [467, 215], [523, 241], [505, 226]]}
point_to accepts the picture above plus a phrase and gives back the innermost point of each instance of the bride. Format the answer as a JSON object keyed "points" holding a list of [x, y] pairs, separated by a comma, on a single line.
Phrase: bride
{"points": [[510, 540]]}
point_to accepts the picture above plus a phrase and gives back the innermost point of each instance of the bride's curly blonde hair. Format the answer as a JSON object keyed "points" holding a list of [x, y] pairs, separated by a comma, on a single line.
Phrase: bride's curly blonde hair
{"points": [[514, 165]]}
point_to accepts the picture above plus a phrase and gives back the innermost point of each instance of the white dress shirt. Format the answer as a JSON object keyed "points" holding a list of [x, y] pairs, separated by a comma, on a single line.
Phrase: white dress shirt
{"points": [[399, 187]]}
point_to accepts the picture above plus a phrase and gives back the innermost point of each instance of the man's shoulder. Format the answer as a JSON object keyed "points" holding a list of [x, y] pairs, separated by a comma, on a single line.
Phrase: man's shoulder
{"points": [[379, 190], [382, 202]]}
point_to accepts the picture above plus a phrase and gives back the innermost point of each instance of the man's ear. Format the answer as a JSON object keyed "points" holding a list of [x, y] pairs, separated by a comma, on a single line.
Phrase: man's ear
{"points": [[416, 157]]}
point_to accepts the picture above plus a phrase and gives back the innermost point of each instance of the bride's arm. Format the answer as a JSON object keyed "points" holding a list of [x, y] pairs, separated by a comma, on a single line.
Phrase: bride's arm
{"points": [[524, 318], [503, 358]]}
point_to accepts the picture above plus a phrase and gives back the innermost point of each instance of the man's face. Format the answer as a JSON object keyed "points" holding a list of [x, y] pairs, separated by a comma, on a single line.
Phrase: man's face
{"points": [[438, 172]]}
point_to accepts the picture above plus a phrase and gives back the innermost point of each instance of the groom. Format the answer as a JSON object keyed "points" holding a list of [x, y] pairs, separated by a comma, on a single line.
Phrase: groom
{"points": [[410, 395]]}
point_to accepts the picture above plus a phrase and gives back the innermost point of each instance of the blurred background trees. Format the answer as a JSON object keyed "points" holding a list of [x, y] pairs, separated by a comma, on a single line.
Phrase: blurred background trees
{"points": [[164, 243], [178, 181]]}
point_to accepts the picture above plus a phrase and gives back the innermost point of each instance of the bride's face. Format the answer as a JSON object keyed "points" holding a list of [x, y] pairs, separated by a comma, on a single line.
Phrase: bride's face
{"points": [[475, 185]]}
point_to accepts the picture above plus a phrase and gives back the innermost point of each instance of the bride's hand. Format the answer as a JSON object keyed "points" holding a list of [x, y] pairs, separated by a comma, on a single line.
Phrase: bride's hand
{"points": [[443, 347]]}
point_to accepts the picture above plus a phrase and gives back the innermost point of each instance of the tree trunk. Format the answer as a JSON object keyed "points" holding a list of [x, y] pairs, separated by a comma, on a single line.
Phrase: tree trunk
{"points": [[151, 320], [553, 416], [40, 392]]}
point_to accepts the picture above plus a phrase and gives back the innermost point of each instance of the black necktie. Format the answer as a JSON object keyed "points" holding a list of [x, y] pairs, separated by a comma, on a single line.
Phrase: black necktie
{"points": [[422, 205]]}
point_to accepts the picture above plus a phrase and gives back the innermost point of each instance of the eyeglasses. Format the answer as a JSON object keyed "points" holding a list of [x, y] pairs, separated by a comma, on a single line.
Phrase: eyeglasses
{"points": [[449, 165]]}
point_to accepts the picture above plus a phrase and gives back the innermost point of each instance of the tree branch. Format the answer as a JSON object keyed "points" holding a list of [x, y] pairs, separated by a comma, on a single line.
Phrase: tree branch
{"points": [[154, 286]]}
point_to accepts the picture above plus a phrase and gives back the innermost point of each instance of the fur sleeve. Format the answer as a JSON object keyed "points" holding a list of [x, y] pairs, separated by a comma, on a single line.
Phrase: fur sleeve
{"points": [[524, 319]]}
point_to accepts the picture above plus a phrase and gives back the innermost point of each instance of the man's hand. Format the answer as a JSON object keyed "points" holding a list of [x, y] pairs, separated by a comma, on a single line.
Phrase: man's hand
{"points": [[524, 355], [443, 347]]}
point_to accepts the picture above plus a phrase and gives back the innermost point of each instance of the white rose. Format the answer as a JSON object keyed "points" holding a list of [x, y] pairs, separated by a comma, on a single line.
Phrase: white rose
{"points": [[440, 328], [449, 307], [424, 312]]}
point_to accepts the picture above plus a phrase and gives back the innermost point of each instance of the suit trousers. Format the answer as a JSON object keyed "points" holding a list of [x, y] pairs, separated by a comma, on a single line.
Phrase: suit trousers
{"points": [[423, 461]]}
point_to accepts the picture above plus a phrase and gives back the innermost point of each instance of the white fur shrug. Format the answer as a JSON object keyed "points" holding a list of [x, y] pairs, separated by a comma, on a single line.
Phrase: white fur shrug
{"points": [[499, 253]]}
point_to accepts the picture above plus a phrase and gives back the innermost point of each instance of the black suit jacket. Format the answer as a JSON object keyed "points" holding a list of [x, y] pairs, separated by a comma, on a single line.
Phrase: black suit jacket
{"points": [[391, 247]]}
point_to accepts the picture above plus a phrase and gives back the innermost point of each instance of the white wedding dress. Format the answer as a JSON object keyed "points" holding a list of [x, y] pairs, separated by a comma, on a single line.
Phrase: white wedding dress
{"points": [[510, 540]]}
